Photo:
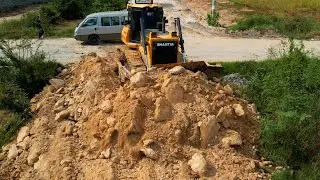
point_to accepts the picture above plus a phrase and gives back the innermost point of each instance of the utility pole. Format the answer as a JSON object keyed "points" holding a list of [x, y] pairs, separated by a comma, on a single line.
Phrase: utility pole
{"points": [[214, 6]]}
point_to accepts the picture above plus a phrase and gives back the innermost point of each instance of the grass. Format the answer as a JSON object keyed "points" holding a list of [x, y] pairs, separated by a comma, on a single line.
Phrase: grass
{"points": [[286, 92], [22, 76], [25, 28], [293, 18], [295, 8], [63, 29], [213, 19], [299, 28], [59, 18]]}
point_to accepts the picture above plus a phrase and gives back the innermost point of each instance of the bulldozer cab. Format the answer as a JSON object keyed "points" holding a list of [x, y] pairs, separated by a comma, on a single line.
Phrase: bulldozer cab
{"points": [[152, 15]]}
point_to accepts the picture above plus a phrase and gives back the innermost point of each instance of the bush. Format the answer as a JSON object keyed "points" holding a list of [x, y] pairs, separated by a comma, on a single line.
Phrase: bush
{"points": [[31, 69], [108, 5], [286, 92], [21, 77], [9, 125], [283, 175], [13, 97], [49, 14], [213, 19], [72, 9]]}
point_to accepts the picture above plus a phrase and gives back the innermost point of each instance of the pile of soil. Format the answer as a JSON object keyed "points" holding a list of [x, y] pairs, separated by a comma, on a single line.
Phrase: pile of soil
{"points": [[163, 124]]}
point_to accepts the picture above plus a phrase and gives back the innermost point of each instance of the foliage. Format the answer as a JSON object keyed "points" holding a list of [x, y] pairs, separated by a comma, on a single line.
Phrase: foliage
{"points": [[49, 14], [72, 9], [108, 5], [58, 18], [286, 92], [15, 29], [24, 72], [289, 8], [213, 19], [9, 126], [30, 67], [300, 27]]}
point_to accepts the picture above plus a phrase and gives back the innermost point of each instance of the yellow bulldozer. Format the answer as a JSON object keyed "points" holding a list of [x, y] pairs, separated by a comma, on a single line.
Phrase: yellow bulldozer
{"points": [[148, 44]]}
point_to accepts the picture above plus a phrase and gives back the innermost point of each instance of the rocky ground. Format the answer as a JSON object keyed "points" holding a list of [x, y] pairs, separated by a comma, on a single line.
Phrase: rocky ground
{"points": [[164, 124]]}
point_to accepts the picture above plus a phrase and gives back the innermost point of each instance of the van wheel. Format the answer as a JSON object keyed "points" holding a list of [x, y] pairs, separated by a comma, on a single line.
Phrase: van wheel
{"points": [[94, 39]]}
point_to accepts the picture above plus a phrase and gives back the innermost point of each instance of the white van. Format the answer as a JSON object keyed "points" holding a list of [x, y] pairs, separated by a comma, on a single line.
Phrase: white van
{"points": [[101, 26]]}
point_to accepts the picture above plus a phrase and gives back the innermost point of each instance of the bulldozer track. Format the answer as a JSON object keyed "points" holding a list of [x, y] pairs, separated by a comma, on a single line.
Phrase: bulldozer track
{"points": [[133, 61]]}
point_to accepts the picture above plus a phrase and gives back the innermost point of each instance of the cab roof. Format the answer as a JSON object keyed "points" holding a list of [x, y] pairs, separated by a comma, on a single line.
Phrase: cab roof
{"points": [[145, 5]]}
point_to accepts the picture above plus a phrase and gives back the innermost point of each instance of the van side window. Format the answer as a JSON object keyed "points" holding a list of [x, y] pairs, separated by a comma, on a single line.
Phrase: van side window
{"points": [[105, 21], [90, 22], [115, 21]]}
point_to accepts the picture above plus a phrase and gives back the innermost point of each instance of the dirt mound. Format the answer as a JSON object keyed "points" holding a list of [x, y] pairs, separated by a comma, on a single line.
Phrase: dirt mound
{"points": [[162, 125]]}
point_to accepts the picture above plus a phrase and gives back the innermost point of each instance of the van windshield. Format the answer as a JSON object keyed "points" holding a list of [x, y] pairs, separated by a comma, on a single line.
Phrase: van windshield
{"points": [[90, 22]]}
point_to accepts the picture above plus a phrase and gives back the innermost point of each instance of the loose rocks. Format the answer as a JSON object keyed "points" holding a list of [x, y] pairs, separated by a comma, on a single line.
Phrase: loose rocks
{"points": [[198, 164]]}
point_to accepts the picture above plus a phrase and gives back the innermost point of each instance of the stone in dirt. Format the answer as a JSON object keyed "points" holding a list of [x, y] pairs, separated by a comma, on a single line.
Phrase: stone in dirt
{"points": [[2, 156], [65, 162], [150, 153], [232, 138], [140, 79], [148, 142], [238, 110], [107, 153], [57, 83], [106, 106], [252, 108], [25, 143], [177, 70], [209, 128], [13, 152], [62, 115], [145, 101], [221, 116], [226, 123], [198, 164], [228, 90], [24, 132], [59, 103], [174, 93], [163, 110], [68, 128], [34, 154], [111, 121]]}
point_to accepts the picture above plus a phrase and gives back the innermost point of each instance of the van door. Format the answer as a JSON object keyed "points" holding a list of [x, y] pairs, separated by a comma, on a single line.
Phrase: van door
{"points": [[90, 26], [110, 28]]}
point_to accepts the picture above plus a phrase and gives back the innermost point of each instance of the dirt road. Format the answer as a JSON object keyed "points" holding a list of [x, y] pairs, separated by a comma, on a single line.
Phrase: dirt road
{"points": [[198, 48], [201, 41]]}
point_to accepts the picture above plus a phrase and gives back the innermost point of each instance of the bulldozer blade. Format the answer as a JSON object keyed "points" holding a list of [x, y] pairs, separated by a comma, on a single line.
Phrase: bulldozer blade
{"points": [[209, 69]]}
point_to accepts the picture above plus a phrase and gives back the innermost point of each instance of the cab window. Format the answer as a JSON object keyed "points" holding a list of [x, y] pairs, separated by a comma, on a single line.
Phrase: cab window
{"points": [[123, 19], [115, 21], [90, 22], [105, 21]]}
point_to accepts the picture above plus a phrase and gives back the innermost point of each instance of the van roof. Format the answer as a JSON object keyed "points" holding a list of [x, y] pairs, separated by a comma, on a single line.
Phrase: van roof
{"points": [[110, 13]]}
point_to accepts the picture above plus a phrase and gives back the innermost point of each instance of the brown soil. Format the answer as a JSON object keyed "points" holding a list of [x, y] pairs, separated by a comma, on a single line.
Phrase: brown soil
{"points": [[92, 126]]}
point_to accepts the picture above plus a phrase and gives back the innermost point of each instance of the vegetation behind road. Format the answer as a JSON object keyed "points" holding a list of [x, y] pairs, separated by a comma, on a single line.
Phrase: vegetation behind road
{"points": [[292, 18], [59, 18], [286, 92]]}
